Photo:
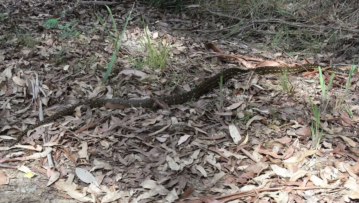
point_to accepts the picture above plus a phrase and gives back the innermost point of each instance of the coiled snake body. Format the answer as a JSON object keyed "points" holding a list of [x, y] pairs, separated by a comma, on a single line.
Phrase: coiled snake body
{"points": [[201, 89]]}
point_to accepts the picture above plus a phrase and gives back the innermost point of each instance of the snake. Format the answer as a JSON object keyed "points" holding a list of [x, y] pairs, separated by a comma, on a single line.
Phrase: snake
{"points": [[175, 99]]}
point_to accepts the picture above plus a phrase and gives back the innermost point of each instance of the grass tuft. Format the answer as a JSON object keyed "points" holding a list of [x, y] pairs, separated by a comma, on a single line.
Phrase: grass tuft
{"points": [[315, 127], [156, 58], [347, 86], [51, 23], [285, 83]]}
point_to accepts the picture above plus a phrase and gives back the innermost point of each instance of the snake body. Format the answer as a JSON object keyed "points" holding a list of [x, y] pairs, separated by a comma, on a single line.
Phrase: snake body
{"points": [[201, 89]]}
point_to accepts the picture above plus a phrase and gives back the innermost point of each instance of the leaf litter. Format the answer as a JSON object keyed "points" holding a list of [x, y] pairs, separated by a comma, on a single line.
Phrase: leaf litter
{"points": [[199, 151]]}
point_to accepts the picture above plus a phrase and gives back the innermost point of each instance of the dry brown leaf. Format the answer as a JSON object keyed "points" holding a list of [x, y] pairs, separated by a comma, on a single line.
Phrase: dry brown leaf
{"points": [[298, 174], [280, 196], [288, 153], [208, 200], [234, 106], [356, 168], [245, 140], [6, 74], [349, 141], [71, 190], [284, 140], [55, 175], [300, 156], [66, 67], [160, 130], [234, 133], [346, 120], [186, 193], [4, 180], [254, 118], [101, 165], [163, 138], [94, 190], [227, 154], [217, 177], [257, 168], [83, 154], [354, 195], [201, 170], [186, 87], [152, 121], [275, 146], [105, 144], [183, 139], [318, 181], [97, 91], [85, 176], [26, 170], [17, 80], [351, 184], [244, 177], [112, 196], [173, 164], [354, 150], [273, 154], [133, 72], [281, 172], [350, 170], [153, 186], [304, 131]]}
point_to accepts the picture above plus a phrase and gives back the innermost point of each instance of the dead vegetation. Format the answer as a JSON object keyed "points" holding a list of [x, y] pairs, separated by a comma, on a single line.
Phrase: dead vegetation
{"points": [[289, 138]]}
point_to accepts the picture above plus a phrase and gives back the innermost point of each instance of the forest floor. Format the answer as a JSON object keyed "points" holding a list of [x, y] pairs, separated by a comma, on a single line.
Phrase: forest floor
{"points": [[254, 138]]}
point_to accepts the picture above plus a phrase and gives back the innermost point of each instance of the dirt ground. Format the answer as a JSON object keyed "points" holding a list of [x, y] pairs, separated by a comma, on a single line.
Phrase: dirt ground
{"points": [[254, 138]]}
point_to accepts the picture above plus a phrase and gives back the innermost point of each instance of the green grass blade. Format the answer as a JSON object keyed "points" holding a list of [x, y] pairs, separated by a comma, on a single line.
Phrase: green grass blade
{"points": [[221, 90], [349, 78], [331, 81], [322, 84], [117, 43]]}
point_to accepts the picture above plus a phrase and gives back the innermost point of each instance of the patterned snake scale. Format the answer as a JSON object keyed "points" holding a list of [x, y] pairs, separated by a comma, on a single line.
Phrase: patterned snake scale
{"points": [[201, 89]]}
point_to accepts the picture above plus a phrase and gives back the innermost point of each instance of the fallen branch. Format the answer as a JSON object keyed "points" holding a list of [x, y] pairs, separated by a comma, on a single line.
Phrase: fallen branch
{"points": [[98, 2], [275, 20], [238, 195]]}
